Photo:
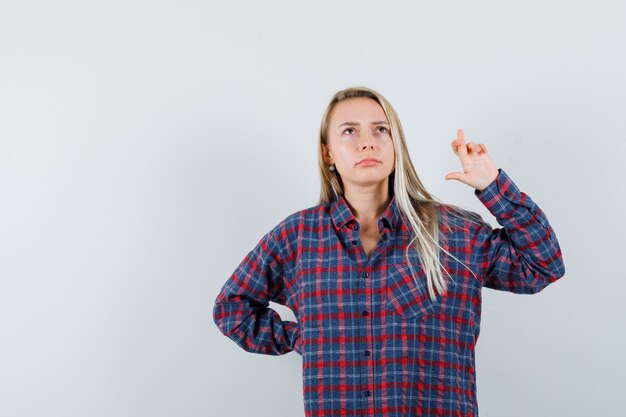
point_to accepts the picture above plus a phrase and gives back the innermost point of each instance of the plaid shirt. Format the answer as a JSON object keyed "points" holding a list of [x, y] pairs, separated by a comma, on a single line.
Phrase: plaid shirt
{"points": [[372, 341]]}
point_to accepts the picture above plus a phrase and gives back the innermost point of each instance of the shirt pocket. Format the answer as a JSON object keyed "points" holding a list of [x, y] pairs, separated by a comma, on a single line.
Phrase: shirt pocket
{"points": [[405, 296]]}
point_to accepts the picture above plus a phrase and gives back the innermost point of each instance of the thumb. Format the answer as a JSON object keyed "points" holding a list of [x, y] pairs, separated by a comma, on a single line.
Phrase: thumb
{"points": [[455, 176]]}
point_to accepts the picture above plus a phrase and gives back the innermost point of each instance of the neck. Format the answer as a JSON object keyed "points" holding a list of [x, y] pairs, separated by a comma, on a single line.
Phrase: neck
{"points": [[368, 203]]}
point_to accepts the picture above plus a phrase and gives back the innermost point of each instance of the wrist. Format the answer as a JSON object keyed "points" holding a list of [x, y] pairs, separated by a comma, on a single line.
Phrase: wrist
{"points": [[494, 177]]}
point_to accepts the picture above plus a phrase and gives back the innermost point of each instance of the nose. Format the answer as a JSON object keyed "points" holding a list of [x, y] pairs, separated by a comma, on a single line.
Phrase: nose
{"points": [[367, 142]]}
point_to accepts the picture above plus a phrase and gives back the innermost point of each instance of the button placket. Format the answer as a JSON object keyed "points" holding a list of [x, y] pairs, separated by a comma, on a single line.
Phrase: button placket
{"points": [[365, 313], [355, 227]]}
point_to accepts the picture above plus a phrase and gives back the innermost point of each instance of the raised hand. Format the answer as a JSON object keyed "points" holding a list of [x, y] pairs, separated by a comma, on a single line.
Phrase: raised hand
{"points": [[479, 169]]}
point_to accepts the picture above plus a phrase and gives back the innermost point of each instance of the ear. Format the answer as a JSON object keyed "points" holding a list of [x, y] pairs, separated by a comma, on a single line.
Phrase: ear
{"points": [[326, 154]]}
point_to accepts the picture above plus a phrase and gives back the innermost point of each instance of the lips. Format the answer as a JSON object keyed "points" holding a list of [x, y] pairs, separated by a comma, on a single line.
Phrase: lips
{"points": [[368, 161]]}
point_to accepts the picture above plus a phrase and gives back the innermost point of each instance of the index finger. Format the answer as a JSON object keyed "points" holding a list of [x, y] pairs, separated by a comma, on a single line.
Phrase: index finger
{"points": [[460, 136]]}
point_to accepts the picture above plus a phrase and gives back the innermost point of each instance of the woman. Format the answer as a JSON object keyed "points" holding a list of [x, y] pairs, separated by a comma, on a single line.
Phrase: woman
{"points": [[385, 281]]}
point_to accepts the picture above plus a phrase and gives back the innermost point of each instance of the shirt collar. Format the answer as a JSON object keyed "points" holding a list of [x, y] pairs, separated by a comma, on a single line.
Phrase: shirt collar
{"points": [[342, 215]]}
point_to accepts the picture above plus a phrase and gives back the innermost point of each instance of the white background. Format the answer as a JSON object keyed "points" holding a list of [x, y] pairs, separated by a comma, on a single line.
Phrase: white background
{"points": [[145, 148]]}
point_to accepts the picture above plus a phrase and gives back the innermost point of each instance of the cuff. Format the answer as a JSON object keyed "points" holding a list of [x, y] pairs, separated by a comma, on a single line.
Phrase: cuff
{"points": [[501, 196]]}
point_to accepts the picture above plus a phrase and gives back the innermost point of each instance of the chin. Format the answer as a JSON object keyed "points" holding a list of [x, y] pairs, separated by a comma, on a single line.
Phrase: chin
{"points": [[368, 181]]}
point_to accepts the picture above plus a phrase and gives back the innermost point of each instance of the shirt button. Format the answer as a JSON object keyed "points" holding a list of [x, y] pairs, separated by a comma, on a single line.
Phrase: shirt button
{"points": [[365, 274], [367, 393], [367, 353], [355, 227], [366, 313], [354, 242]]}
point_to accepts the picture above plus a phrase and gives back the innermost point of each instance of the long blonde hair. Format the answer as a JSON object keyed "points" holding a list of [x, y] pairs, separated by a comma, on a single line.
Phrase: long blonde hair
{"points": [[416, 204]]}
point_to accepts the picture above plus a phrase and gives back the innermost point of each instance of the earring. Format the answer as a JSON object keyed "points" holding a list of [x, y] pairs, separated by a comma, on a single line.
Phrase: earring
{"points": [[332, 168]]}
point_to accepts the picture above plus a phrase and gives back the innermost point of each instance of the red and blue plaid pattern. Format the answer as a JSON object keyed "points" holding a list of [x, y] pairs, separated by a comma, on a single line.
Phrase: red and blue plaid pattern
{"points": [[372, 341]]}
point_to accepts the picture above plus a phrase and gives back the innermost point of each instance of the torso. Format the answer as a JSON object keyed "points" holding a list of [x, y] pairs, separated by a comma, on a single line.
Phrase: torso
{"points": [[345, 304]]}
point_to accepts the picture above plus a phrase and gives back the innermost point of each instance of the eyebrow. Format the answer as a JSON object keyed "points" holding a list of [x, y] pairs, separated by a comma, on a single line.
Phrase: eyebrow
{"points": [[357, 124]]}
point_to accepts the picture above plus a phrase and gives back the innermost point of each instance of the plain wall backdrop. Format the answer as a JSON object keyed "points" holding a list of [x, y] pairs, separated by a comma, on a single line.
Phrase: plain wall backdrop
{"points": [[147, 146]]}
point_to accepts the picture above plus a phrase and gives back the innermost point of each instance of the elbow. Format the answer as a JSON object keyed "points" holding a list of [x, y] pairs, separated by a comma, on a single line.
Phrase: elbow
{"points": [[221, 318], [559, 272], [547, 276], [230, 318], [217, 317], [556, 268], [553, 268]]}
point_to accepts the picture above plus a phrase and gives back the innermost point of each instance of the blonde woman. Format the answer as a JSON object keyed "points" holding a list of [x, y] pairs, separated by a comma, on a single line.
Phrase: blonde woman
{"points": [[385, 281]]}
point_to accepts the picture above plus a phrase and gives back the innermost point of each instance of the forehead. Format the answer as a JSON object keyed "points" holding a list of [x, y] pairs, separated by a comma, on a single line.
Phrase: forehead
{"points": [[358, 109]]}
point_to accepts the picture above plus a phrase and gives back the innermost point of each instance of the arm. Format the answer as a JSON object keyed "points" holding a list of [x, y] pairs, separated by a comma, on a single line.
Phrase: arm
{"points": [[241, 309], [524, 256]]}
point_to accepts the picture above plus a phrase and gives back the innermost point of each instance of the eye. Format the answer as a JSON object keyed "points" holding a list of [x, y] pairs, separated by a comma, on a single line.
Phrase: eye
{"points": [[384, 129], [352, 129]]}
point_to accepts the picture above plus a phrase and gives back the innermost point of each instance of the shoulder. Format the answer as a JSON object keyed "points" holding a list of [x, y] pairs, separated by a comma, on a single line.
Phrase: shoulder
{"points": [[308, 220], [304, 217], [290, 236]]}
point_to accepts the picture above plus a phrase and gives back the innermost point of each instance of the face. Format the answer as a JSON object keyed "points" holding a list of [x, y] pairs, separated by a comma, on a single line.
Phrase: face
{"points": [[358, 130]]}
